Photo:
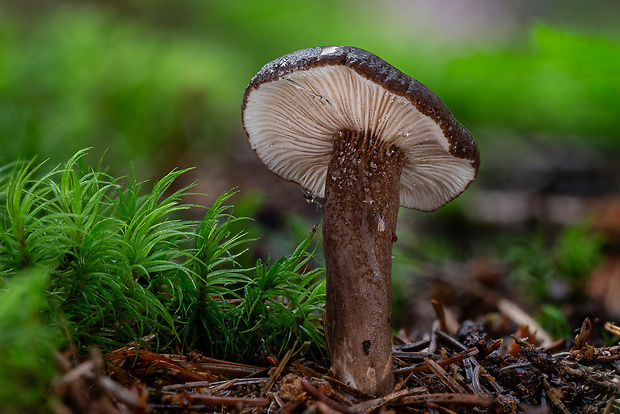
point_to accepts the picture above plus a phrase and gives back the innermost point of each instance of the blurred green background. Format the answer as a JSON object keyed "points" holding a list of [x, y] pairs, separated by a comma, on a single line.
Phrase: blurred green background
{"points": [[159, 84]]}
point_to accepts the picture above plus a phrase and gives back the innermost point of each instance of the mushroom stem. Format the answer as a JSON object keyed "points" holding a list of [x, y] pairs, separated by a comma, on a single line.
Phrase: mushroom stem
{"points": [[361, 208]]}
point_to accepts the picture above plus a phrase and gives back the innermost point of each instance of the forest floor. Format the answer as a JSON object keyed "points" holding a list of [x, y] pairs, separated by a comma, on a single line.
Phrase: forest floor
{"points": [[468, 372]]}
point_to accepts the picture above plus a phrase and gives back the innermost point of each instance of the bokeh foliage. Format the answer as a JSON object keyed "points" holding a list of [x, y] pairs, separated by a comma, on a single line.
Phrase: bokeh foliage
{"points": [[155, 80], [28, 337], [560, 82]]}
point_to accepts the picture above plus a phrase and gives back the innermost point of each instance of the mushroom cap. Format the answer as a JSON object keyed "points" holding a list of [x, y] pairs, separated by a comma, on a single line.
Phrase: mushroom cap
{"points": [[295, 106]]}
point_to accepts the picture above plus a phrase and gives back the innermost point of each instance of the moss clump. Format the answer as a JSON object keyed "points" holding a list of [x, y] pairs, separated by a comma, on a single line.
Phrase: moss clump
{"points": [[116, 263]]}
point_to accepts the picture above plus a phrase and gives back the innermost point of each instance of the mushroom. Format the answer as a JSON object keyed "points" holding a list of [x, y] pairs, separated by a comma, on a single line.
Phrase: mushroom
{"points": [[350, 128]]}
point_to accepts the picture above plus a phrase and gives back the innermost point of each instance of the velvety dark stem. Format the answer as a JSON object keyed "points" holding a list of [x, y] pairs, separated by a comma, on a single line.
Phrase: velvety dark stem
{"points": [[360, 211]]}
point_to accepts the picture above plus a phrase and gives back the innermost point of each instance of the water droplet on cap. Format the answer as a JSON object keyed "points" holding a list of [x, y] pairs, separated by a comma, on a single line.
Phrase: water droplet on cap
{"points": [[328, 50]]}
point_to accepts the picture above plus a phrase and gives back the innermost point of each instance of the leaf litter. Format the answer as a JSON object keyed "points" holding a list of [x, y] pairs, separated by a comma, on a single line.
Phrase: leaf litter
{"points": [[461, 373]]}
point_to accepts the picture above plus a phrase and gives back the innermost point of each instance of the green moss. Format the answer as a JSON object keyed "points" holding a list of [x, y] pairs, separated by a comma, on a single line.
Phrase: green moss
{"points": [[29, 333], [124, 263], [539, 261]]}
